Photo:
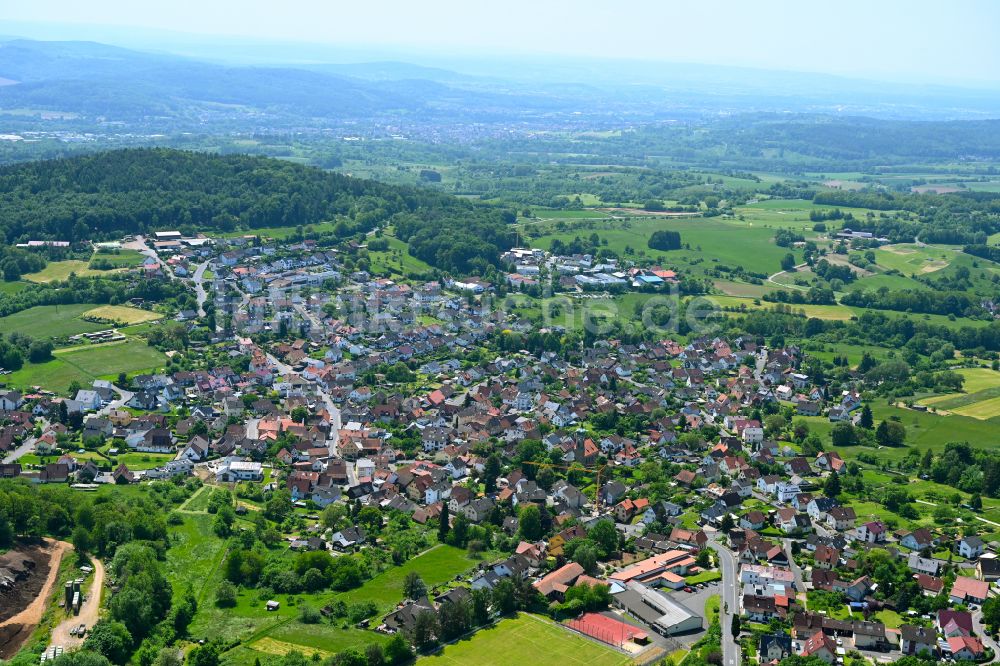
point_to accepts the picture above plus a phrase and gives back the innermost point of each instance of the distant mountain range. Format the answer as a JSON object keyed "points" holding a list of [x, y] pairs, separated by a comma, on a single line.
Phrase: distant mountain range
{"points": [[98, 83]]}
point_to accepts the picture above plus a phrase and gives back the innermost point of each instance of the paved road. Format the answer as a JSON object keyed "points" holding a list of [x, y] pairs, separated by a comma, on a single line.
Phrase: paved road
{"points": [[335, 423], [27, 446], [984, 636], [199, 287], [730, 603]]}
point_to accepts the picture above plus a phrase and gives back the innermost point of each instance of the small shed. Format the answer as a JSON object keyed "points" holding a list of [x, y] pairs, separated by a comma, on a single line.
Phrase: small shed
{"points": [[273, 605]]}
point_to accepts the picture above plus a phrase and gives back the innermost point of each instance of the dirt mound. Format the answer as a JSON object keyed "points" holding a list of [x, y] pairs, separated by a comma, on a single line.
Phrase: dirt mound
{"points": [[22, 575], [12, 636]]}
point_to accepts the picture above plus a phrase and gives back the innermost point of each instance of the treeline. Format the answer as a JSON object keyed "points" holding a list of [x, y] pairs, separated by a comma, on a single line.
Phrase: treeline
{"points": [[877, 328], [982, 251], [105, 195], [955, 303], [111, 289]]}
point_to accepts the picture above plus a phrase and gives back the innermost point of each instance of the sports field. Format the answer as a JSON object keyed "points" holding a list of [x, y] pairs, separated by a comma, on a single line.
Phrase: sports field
{"points": [[521, 640]]}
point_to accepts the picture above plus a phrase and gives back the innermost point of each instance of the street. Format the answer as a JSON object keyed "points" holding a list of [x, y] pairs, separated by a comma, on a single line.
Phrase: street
{"points": [[730, 602]]}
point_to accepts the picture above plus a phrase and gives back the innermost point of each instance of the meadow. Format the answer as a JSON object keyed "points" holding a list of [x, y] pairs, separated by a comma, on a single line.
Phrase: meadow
{"points": [[397, 260], [61, 270], [122, 314], [54, 321], [86, 363], [520, 640]]}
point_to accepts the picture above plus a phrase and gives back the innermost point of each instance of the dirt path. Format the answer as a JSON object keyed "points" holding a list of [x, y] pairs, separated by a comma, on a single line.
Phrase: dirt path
{"points": [[89, 612]]}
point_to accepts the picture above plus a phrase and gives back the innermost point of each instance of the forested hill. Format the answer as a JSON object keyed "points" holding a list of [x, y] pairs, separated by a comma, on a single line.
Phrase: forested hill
{"points": [[106, 195]]}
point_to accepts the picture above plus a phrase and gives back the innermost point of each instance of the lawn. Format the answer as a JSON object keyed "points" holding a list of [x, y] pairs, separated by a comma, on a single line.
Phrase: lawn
{"points": [[87, 363], [122, 314], [50, 321], [523, 640], [703, 577]]}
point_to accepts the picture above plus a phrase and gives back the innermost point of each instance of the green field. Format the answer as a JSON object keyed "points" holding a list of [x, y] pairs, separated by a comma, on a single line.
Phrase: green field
{"points": [[61, 270], [397, 259], [87, 363], [907, 258], [11, 288], [522, 640], [50, 321], [122, 314], [437, 565], [123, 259], [712, 241], [982, 386]]}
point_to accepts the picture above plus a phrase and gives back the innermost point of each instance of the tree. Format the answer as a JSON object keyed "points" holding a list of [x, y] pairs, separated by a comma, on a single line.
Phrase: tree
{"points": [[504, 599], [586, 555], [788, 262], [204, 655], [480, 606], [490, 472], [866, 421], [425, 629], [604, 534], [300, 414], [443, 523], [832, 486], [529, 522], [413, 586], [664, 240], [890, 433], [111, 639], [734, 627], [374, 655], [726, 524], [843, 434], [976, 502], [225, 595], [397, 650]]}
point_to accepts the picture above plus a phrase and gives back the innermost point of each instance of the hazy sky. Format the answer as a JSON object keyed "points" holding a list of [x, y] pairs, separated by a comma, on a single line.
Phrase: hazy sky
{"points": [[917, 40]]}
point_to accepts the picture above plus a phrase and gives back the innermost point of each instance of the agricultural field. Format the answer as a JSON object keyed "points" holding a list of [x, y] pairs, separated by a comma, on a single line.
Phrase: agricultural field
{"points": [[11, 288], [980, 397], [122, 314], [54, 321], [520, 640], [87, 363]]}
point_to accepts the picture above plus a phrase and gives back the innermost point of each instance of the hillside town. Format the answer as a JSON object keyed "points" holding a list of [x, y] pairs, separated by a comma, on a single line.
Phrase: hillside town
{"points": [[658, 475]]}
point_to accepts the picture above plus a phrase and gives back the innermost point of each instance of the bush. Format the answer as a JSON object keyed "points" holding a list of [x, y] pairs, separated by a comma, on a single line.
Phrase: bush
{"points": [[225, 595], [309, 615]]}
